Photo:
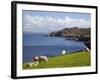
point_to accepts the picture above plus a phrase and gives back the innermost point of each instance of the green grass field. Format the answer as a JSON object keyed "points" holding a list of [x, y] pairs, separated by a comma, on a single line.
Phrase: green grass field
{"points": [[74, 59]]}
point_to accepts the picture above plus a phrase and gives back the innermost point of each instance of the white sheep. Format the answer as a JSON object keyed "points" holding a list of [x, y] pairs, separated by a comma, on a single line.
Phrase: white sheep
{"points": [[43, 58], [38, 59]]}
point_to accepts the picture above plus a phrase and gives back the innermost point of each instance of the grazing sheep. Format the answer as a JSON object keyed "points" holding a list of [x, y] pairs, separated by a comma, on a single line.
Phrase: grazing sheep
{"points": [[33, 64], [30, 64], [38, 59], [43, 58]]}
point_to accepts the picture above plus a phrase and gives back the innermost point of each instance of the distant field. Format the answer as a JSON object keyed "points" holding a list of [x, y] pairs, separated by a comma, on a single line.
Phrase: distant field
{"points": [[74, 59]]}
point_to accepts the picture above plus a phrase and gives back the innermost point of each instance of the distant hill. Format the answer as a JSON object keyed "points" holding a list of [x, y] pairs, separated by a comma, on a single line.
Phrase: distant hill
{"points": [[75, 33], [72, 32]]}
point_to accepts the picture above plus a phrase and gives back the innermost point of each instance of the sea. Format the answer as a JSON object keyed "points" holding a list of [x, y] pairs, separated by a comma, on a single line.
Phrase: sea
{"points": [[41, 45]]}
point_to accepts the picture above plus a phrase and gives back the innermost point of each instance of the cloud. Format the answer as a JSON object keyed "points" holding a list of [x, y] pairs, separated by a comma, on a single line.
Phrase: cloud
{"points": [[49, 24]]}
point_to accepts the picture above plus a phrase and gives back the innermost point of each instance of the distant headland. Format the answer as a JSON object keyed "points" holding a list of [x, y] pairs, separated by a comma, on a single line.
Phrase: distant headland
{"points": [[75, 33]]}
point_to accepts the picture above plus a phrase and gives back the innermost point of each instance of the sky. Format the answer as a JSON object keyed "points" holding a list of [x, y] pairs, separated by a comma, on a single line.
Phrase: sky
{"points": [[49, 21]]}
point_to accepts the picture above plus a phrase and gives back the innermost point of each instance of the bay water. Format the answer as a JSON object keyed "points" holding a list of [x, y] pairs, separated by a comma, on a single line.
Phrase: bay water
{"points": [[41, 45]]}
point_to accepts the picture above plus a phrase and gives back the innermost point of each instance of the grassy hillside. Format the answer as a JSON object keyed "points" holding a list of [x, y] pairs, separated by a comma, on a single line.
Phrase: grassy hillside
{"points": [[69, 60]]}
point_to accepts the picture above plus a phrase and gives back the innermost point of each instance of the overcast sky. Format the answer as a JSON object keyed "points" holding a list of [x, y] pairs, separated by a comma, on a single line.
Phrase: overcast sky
{"points": [[44, 22]]}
